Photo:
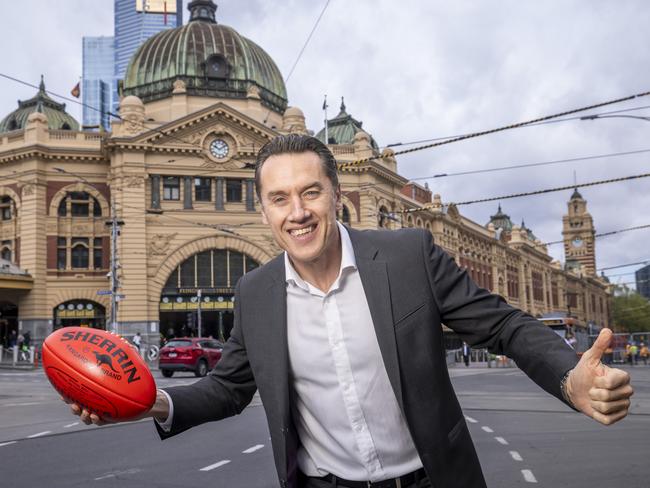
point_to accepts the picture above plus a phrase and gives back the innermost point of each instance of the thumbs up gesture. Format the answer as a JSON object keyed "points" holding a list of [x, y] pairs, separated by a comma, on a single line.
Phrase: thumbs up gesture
{"points": [[596, 390]]}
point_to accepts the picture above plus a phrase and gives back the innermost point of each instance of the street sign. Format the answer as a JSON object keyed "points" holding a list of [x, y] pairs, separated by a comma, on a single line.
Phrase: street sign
{"points": [[119, 298], [104, 292]]}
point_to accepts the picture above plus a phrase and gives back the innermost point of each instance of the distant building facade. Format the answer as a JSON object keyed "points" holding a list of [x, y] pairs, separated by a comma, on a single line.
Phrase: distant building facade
{"points": [[179, 166], [105, 58], [643, 281]]}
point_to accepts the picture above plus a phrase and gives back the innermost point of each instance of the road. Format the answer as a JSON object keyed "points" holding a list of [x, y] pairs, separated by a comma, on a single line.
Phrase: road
{"points": [[523, 437]]}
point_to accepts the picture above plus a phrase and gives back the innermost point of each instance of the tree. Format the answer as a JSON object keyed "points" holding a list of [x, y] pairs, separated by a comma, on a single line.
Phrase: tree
{"points": [[630, 311]]}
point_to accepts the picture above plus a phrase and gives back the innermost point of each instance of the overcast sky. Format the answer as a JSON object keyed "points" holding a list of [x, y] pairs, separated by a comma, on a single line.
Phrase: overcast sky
{"points": [[416, 69]]}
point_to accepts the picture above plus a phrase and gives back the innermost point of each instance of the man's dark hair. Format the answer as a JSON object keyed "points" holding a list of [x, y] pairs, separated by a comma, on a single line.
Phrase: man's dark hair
{"points": [[295, 144]]}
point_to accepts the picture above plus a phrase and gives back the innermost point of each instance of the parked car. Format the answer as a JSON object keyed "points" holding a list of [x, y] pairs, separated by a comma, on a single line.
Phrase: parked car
{"points": [[197, 354]]}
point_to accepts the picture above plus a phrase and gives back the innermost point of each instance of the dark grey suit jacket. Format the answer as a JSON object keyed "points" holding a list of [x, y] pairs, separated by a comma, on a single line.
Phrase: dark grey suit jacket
{"points": [[412, 286]]}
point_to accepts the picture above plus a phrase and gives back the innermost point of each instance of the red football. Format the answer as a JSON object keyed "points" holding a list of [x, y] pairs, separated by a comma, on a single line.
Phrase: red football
{"points": [[99, 371]]}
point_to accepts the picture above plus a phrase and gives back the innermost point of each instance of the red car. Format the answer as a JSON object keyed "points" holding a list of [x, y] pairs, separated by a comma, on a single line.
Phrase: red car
{"points": [[198, 354]]}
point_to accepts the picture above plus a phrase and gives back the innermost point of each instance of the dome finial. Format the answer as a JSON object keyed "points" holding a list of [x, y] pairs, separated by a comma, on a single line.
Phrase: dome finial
{"points": [[342, 104], [41, 86], [203, 10]]}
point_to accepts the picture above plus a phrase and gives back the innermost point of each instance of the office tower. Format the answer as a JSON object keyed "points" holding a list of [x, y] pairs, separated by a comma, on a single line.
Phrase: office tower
{"points": [[105, 59]]}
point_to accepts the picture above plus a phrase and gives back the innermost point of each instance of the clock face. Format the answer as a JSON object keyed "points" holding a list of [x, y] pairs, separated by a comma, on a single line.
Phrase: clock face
{"points": [[577, 242], [219, 148]]}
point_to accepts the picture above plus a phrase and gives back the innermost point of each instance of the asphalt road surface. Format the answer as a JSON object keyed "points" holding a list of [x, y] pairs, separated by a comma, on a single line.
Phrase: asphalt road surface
{"points": [[523, 437]]}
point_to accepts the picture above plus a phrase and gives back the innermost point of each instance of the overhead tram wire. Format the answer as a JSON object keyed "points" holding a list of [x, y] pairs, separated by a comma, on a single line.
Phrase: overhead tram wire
{"points": [[624, 265], [530, 165], [343, 166], [525, 194], [603, 234], [611, 112]]}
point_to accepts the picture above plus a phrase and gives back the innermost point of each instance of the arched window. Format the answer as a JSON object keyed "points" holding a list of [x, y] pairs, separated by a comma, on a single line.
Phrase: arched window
{"points": [[66, 126], [80, 254], [345, 215], [79, 204], [216, 268], [7, 208], [383, 217], [13, 125], [5, 251], [409, 221]]}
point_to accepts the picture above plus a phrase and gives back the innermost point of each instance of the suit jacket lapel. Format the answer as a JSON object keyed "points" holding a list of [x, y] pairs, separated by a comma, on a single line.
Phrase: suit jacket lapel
{"points": [[374, 277]]}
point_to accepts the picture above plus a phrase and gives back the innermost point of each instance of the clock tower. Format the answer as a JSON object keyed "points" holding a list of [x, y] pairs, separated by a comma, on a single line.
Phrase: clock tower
{"points": [[578, 233]]}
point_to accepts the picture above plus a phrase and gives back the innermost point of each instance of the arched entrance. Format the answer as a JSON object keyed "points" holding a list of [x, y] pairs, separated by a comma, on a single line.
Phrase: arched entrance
{"points": [[80, 313], [8, 323], [203, 285]]}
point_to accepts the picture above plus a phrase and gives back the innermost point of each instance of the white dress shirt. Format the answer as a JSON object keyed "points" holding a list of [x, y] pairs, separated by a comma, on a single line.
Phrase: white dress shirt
{"points": [[344, 409]]}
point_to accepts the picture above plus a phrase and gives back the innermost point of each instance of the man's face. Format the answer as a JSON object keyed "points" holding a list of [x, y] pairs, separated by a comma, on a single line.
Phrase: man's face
{"points": [[300, 204]]}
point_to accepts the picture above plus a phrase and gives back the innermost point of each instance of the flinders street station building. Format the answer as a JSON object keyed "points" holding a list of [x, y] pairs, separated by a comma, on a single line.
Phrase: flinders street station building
{"points": [[174, 176]]}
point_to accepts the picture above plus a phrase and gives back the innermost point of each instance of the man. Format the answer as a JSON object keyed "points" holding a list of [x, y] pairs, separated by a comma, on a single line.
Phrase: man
{"points": [[341, 335]]}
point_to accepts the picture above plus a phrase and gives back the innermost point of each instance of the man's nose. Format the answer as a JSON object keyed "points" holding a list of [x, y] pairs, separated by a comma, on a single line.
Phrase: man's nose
{"points": [[298, 210]]}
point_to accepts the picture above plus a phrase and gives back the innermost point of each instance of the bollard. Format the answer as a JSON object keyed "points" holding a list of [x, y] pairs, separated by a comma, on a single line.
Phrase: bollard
{"points": [[15, 348], [31, 355], [2, 350]]}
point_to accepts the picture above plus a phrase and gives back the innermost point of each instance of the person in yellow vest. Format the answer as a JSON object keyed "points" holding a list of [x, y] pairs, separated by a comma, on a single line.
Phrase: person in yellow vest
{"points": [[644, 353]]}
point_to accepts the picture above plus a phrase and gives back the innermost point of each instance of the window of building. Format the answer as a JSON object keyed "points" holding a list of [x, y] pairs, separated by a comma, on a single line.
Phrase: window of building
{"points": [[98, 253], [382, 217], [233, 190], [61, 253], [345, 215], [202, 189], [171, 188], [5, 207], [79, 204], [5, 250], [80, 254], [538, 287]]}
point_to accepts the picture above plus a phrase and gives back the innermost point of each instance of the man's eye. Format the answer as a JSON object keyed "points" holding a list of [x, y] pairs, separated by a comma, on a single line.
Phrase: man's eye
{"points": [[279, 200], [312, 193]]}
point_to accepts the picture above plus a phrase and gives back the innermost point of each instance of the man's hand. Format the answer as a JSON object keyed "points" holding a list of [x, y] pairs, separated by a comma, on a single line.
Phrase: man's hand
{"points": [[596, 390], [159, 410]]}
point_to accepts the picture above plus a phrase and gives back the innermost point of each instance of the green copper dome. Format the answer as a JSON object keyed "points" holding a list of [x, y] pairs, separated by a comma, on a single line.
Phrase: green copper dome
{"points": [[342, 129], [501, 220], [211, 59], [57, 117]]}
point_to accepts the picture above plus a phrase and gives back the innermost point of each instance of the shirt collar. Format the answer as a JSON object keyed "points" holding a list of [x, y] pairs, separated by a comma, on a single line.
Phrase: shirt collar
{"points": [[348, 260]]}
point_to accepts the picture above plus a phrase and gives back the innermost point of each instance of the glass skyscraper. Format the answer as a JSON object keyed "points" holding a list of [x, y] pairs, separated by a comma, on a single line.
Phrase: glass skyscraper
{"points": [[643, 281], [105, 59]]}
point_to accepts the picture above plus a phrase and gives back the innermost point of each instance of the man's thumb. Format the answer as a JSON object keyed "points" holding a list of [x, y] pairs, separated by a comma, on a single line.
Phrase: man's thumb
{"points": [[597, 350]]}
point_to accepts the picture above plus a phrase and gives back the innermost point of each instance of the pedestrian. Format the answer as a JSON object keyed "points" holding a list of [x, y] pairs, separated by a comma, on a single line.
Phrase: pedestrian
{"points": [[633, 351], [644, 353], [27, 339], [12, 339], [341, 335], [466, 350], [137, 341]]}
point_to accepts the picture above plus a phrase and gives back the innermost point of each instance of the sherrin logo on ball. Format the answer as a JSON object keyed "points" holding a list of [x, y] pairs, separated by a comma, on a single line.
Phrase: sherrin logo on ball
{"points": [[99, 371]]}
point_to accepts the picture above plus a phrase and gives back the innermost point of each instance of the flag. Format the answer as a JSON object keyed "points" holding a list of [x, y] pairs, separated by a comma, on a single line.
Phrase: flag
{"points": [[76, 91], [325, 103]]}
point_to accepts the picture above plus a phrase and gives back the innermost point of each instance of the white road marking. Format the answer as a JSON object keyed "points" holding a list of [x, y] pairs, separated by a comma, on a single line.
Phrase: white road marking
{"points": [[71, 425], [118, 473], [253, 449], [7, 443], [487, 429], [20, 404], [516, 456], [501, 440], [470, 419], [528, 475], [215, 465], [39, 434]]}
